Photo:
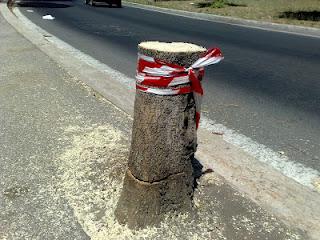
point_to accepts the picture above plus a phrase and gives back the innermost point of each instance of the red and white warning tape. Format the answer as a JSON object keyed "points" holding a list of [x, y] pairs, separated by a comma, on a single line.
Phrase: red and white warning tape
{"points": [[157, 77]]}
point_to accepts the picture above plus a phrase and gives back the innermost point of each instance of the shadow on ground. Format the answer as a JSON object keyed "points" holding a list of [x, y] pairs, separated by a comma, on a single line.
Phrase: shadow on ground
{"points": [[225, 4], [198, 171], [106, 5], [45, 4], [301, 15]]}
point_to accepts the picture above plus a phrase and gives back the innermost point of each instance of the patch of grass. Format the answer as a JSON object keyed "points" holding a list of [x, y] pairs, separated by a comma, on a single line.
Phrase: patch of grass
{"points": [[218, 4], [277, 11]]}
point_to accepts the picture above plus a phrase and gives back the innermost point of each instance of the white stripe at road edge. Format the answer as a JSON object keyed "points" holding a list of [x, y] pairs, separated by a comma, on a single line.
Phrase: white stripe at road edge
{"points": [[301, 174], [246, 23]]}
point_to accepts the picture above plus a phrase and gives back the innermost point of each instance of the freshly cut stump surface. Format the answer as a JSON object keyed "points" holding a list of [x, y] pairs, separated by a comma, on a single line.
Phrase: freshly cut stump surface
{"points": [[159, 178]]}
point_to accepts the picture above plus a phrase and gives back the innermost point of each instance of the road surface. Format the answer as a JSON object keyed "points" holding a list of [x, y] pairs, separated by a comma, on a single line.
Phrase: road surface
{"points": [[267, 88]]}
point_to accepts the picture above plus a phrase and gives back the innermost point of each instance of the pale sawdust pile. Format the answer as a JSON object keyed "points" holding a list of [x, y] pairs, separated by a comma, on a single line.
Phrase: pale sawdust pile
{"points": [[92, 170]]}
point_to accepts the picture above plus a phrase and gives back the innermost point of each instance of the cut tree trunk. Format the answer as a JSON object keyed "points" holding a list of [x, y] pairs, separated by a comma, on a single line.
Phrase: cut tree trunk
{"points": [[159, 178]]}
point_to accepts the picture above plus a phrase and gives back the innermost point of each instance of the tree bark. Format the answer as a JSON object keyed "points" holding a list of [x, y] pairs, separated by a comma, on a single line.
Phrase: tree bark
{"points": [[159, 177]]}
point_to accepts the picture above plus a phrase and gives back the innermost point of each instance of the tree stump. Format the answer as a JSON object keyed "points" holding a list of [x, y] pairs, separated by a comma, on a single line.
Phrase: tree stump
{"points": [[159, 177]]}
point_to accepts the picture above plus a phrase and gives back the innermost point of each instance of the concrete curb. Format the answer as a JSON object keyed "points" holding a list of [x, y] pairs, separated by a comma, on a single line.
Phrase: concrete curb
{"points": [[296, 205], [267, 26]]}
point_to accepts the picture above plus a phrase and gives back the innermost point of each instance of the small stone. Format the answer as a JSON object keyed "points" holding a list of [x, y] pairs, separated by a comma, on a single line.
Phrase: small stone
{"points": [[316, 183]]}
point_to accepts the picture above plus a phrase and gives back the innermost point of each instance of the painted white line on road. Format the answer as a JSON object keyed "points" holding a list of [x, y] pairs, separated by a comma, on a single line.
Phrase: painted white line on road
{"points": [[129, 83], [246, 23], [301, 174], [122, 78]]}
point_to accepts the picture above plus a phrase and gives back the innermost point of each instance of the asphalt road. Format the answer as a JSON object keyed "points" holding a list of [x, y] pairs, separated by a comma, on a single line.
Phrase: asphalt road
{"points": [[267, 88]]}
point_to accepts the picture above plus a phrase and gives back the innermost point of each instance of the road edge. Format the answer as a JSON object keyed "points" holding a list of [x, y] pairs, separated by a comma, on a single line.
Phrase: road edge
{"points": [[261, 183], [266, 26]]}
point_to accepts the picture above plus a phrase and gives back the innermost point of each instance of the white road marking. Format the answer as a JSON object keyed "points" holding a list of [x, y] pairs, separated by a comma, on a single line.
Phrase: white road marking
{"points": [[303, 175], [246, 23]]}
